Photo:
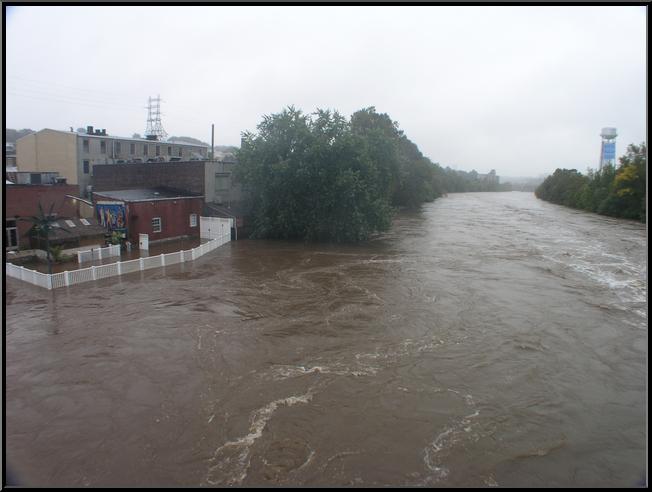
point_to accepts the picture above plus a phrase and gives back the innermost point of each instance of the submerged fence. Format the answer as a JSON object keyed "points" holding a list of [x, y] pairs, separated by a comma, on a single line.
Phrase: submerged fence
{"points": [[98, 253], [65, 279]]}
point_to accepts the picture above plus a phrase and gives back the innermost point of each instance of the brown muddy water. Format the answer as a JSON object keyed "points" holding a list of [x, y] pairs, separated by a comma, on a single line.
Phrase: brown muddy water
{"points": [[489, 339]]}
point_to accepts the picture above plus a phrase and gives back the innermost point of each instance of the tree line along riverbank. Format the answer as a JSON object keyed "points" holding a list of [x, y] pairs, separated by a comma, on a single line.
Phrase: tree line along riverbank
{"points": [[614, 191], [322, 177]]}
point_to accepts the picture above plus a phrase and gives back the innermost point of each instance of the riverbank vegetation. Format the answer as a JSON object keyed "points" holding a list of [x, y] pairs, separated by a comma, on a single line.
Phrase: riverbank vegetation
{"points": [[614, 191], [321, 177]]}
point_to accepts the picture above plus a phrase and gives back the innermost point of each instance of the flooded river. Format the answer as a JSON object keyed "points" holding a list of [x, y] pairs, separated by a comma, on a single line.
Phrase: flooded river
{"points": [[489, 339]]}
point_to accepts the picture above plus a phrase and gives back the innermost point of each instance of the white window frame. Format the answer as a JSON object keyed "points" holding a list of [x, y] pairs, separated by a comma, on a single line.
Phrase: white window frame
{"points": [[160, 224], [193, 220], [8, 235]]}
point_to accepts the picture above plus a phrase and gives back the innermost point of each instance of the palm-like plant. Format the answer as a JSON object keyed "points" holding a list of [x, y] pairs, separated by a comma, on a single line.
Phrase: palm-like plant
{"points": [[42, 225]]}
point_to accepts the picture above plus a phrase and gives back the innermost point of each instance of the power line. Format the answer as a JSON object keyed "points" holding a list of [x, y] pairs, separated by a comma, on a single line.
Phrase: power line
{"points": [[42, 95], [72, 98], [78, 89], [68, 102]]}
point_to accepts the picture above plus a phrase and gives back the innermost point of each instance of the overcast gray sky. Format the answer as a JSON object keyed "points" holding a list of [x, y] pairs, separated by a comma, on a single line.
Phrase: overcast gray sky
{"points": [[522, 90]]}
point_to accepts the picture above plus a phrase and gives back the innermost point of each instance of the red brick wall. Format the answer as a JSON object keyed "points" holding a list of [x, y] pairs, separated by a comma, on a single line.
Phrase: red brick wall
{"points": [[181, 175], [23, 200], [174, 214]]}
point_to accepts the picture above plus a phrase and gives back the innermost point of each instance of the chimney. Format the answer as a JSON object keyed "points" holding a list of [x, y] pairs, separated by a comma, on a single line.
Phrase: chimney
{"points": [[103, 131], [89, 130]]}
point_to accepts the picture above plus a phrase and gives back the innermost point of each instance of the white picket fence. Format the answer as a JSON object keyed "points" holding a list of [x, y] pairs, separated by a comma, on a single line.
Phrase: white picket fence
{"points": [[98, 253], [65, 279]]}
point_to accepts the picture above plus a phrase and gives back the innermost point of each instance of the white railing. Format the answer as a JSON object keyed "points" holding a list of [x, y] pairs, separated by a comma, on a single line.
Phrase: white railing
{"points": [[65, 279], [98, 253]]}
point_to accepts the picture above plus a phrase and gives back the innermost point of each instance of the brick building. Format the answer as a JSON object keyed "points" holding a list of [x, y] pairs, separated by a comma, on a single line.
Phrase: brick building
{"points": [[22, 200], [163, 213], [223, 196], [212, 179]]}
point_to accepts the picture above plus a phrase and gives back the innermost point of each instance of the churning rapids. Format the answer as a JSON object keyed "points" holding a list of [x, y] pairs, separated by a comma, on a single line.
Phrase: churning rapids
{"points": [[489, 339]]}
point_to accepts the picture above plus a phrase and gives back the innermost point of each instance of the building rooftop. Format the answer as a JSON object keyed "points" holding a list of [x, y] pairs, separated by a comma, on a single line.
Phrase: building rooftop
{"points": [[143, 140], [74, 227], [145, 195]]}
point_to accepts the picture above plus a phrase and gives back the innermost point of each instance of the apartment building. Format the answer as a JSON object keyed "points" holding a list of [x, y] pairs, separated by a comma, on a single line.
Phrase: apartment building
{"points": [[74, 155]]}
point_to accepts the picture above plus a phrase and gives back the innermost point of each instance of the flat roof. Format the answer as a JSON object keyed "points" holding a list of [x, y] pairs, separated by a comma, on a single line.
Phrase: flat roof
{"points": [[145, 195], [86, 135], [144, 140]]}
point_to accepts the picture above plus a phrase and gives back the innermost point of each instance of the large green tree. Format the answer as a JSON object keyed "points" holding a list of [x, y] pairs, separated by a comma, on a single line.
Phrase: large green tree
{"points": [[407, 175], [312, 178]]}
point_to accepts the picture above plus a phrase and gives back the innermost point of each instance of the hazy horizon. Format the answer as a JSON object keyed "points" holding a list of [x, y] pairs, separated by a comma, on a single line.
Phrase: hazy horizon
{"points": [[522, 90]]}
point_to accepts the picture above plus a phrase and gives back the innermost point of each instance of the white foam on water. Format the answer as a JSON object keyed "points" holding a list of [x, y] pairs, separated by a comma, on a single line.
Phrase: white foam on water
{"points": [[389, 260], [447, 439], [430, 454], [284, 371], [619, 274], [230, 462], [491, 482]]}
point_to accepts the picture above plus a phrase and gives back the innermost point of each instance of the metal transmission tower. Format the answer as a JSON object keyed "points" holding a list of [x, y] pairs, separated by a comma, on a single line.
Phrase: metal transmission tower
{"points": [[154, 129]]}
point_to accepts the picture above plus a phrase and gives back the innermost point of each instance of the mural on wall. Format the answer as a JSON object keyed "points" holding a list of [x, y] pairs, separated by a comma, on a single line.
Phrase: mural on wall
{"points": [[112, 216]]}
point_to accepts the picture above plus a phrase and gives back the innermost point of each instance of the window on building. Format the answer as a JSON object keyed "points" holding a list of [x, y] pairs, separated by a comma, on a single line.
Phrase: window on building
{"points": [[169, 150], [132, 149], [35, 178], [222, 182], [118, 148], [145, 149], [85, 145], [102, 147], [11, 233], [156, 224], [180, 149], [158, 150], [87, 166], [193, 220]]}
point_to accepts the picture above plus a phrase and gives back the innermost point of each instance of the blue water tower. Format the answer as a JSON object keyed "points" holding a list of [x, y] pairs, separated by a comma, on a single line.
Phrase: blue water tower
{"points": [[608, 147]]}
